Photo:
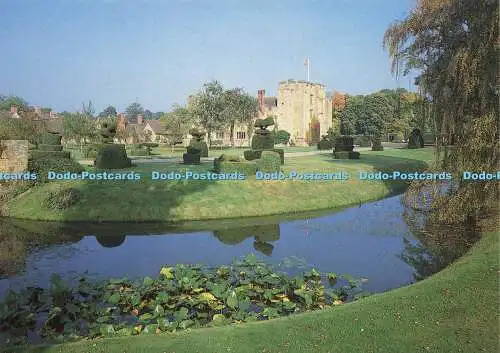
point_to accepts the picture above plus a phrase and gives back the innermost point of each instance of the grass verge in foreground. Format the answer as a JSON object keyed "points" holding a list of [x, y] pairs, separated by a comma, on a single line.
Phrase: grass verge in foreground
{"points": [[455, 310], [149, 200]]}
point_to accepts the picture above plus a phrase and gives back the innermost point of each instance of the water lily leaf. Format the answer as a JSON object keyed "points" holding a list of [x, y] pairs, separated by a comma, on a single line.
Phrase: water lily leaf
{"points": [[232, 300], [124, 332], [107, 330], [207, 297], [148, 281], [181, 314], [159, 311], [150, 328], [167, 272], [146, 317], [162, 297], [185, 324], [114, 298]]}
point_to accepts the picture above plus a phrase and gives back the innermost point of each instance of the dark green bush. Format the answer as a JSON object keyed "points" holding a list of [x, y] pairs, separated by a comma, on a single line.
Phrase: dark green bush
{"points": [[43, 165], [150, 144], [42, 147], [112, 156], [344, 143], [194, 149], [345, 155], [251, 155], [281, 136], [377, 144], [90, 151], [199, 145], [49, 154], [191, 158], [262, 141], [325, 144], [62, 199], [245, 167], [269, 162], [363, 141], [48, 138]]}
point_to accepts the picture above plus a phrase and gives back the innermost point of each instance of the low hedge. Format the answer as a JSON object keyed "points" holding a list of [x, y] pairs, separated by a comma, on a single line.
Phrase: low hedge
{"points": [[48, 138], [139, 152], [346, 155], [49, 154], [43, 147], [325, 145], [191, 158], [251, 155], [269, 162], [41, 165], [90, 151]]}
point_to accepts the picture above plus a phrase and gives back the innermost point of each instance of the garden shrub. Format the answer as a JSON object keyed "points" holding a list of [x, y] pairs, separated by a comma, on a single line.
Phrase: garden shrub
{"points": [[62, 199], [43, 147], [262, 141], [364, 141], [43, 164], [345, 155], [344, 143], [48, 138], [399, 137], [281, 136], [230, 163], [112, 156], [90, 151], [150, 144], [416, 139], [251, 155], [377, 144], [269, 162], [49, 154], [325, 144], [191, 158]]}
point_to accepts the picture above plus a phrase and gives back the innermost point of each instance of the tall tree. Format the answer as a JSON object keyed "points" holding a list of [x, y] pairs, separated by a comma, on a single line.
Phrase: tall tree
{"points": [[79, 126], [88, 109], [453, 44], [133, 110], [239, 108], [177, 124], [109, 111], [207, 106], [8, 101]]}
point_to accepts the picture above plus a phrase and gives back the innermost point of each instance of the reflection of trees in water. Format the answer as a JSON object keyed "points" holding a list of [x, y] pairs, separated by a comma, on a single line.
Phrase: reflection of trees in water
{"points": [[263, 234], [19, 238], [110, 241], [438, 245]]}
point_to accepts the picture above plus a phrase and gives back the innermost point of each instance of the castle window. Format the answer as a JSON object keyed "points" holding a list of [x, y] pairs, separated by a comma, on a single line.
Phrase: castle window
{"points": [[241, 135]]}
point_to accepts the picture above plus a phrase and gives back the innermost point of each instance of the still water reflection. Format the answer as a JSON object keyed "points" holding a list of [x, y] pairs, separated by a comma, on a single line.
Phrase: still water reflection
{"points": [[381, 241]]}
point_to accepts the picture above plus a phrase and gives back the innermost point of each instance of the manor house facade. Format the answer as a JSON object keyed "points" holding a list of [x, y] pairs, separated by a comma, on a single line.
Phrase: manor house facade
{"points": [[303, 109]]}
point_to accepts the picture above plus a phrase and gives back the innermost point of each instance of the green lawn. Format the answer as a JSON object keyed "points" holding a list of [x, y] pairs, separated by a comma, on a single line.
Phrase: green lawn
{"points": [[455, 310], [148, 200]]}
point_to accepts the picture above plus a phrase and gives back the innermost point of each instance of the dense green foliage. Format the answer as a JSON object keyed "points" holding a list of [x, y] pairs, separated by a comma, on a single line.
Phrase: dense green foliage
{"points": [[281, 137], [269, 162], [112, 156], [42, 164], [377, 144], [363, 141], [62, 199], [251, 155], [20, 129], [454, 46], [262, 141], [90, 151], [346, 155], [180, 297], [325, 144]]}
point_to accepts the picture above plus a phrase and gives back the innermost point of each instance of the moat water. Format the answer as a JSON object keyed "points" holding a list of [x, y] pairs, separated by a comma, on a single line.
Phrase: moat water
{"points": [[382, 242]]}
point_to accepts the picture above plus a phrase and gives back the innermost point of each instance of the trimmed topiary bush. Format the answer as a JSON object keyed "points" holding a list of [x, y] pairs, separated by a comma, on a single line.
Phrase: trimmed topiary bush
{"points": [[49, 154], [377, 144], [42, 165], [325, 143], [228, 163], [51, 148], [191, 158], [111, 156], [251, 155], [269, 162], [344, 143], [345, 155], [416, 139], [198, 142], [48, 138]]}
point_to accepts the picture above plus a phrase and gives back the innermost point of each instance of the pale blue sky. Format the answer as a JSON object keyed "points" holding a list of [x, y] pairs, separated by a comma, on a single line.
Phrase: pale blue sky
{"points": [[60, 53]]}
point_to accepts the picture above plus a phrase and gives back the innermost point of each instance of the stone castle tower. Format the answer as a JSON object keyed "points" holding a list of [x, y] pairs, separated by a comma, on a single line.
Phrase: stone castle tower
{"points": [[302, 105]]}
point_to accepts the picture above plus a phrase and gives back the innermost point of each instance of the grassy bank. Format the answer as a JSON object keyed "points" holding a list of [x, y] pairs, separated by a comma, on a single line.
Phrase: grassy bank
{"points": [[149, 200], [455, 310]]}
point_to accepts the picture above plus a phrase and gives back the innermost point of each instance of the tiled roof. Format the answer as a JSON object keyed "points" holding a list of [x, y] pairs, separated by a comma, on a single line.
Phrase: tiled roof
{"points": [[156, 126]]}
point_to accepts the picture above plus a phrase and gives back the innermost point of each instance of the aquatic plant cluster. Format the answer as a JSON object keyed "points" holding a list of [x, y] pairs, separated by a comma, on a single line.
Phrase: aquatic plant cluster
{"points": [[181, 297]]}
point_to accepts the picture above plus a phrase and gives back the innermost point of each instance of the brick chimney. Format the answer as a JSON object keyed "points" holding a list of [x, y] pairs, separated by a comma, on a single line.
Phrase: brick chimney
{"points": [[260, 97], [140, 119]]}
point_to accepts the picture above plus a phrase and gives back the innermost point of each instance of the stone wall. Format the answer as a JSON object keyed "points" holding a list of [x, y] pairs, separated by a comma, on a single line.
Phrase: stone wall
{"points": [[13, 155]]}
